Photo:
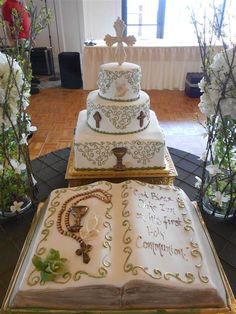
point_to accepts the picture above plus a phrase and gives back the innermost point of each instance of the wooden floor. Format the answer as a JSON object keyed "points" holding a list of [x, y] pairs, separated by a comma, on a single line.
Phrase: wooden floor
{"points": [[55, 110]]}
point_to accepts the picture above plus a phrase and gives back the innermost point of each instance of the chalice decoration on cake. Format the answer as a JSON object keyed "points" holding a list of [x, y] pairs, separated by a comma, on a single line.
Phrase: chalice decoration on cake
{"points": [[69, 219]]}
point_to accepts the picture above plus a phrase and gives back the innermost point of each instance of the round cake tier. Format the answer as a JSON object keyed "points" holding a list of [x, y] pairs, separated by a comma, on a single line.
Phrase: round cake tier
{"points": [[119, 82], [113, 117]]}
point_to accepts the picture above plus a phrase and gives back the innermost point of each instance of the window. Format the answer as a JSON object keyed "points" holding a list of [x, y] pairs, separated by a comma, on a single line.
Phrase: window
{"points": [[144, 18], [171, 19]]}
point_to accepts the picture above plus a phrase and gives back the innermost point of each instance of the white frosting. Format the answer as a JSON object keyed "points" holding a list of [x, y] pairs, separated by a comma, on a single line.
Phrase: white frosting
{"points": [[93, 150], [118, 117], [149, 254], [119, 82]]}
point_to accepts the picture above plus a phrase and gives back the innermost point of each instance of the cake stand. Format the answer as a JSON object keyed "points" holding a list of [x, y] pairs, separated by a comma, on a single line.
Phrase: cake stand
{"points": [[164, 176]]}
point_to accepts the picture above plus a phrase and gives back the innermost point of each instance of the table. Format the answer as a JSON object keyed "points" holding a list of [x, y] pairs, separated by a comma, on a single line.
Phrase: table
{"points": [[50, 173], [163, 67]]}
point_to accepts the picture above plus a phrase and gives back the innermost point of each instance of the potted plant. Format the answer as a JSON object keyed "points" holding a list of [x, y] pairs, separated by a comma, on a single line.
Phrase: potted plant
{"points": [[17, 183], [217, 193]]}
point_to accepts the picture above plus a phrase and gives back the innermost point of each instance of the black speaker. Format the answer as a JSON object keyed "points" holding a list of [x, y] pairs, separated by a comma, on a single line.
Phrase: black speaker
{"points": [[70, 69], [41, 61], [191, 84]]}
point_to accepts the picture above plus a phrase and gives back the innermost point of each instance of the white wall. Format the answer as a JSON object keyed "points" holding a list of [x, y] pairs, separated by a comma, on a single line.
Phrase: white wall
{"points": [[99, 17], [66, 28], [76, 21]]}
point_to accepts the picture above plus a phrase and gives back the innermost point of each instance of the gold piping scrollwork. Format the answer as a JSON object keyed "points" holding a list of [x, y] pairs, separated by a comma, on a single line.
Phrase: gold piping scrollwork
{"points": [[196, 253], [124, 195], [52, 209], [109, 185], [41, 250], [187, 220], [126, 239], [34, 278], [63, 279], [129, 267], [106, 263], [107, 245], [108, 236], [102, 272], [188, 228], [189, 277], [107, 214]]}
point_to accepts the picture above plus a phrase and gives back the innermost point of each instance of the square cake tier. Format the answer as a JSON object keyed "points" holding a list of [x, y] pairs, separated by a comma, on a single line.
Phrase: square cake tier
{"points": [[140, 150]]}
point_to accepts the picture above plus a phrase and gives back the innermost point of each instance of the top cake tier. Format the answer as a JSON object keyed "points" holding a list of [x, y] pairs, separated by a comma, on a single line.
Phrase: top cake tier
{"points": [[119, 82]]}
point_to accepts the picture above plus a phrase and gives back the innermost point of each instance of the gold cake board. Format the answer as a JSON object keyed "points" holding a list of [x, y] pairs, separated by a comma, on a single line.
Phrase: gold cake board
{"points": [[164, 176], [6, 309]]}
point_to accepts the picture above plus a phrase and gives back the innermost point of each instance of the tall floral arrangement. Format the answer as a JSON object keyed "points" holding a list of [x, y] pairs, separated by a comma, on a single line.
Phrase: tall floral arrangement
{"points": [[17, 183], [218, 103]]}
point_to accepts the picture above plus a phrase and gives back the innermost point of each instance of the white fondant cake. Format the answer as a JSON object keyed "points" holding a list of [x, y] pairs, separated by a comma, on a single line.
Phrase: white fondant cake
{"points": [[118, 130], [147, 250], [119, 82], [94, 150], [118, 117]]}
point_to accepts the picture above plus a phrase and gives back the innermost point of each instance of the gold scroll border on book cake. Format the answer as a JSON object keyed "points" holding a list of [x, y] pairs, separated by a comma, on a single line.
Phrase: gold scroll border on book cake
{"points": [[164, 176], [6, 309]]}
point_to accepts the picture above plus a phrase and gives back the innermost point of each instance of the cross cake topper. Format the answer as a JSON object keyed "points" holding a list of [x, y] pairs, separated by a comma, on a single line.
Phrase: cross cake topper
{"points": [[120, 54]]}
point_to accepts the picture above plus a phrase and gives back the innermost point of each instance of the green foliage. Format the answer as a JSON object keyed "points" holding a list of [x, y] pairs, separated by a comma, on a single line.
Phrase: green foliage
{"points": [[218, 185], [51, 267], [15, 185]]}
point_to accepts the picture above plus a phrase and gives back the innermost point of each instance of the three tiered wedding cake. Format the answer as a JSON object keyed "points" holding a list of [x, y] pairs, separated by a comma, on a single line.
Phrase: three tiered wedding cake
{"points": [[118, 130]]}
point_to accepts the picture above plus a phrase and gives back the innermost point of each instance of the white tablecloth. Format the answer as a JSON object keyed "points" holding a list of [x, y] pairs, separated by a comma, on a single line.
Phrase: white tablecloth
{"points": [[163, 67]]}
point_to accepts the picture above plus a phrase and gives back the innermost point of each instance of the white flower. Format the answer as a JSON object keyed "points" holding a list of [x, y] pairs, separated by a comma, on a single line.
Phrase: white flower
{"points": [[202, 85], [222, 76], [1, 169], [18, 167], [33, 179], [218, 62], [16, 207], [213, 170], [221, 198], [25, 103], [23, 139], [206, 106], [11, 80], [228, 107], [198, 182], [203, 156], [31, 128]]}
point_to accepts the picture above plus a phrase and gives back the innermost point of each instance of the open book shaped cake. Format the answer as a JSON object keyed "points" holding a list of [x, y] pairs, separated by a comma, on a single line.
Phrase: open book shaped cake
{"points": [[127, 246]]}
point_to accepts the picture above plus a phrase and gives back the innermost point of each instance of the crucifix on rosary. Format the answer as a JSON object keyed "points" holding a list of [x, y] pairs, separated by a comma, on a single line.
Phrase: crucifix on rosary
{"points": [[120, 54], [72, 217]]}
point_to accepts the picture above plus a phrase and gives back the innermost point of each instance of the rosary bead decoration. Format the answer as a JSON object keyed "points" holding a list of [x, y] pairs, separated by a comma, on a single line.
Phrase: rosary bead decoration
{"points": [[72, 211]]}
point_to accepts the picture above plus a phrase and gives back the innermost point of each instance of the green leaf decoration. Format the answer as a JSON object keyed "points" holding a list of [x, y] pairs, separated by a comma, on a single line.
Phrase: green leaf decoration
{"points": [[37, 262], [46, 277], [51, 267], [53, 255]]}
